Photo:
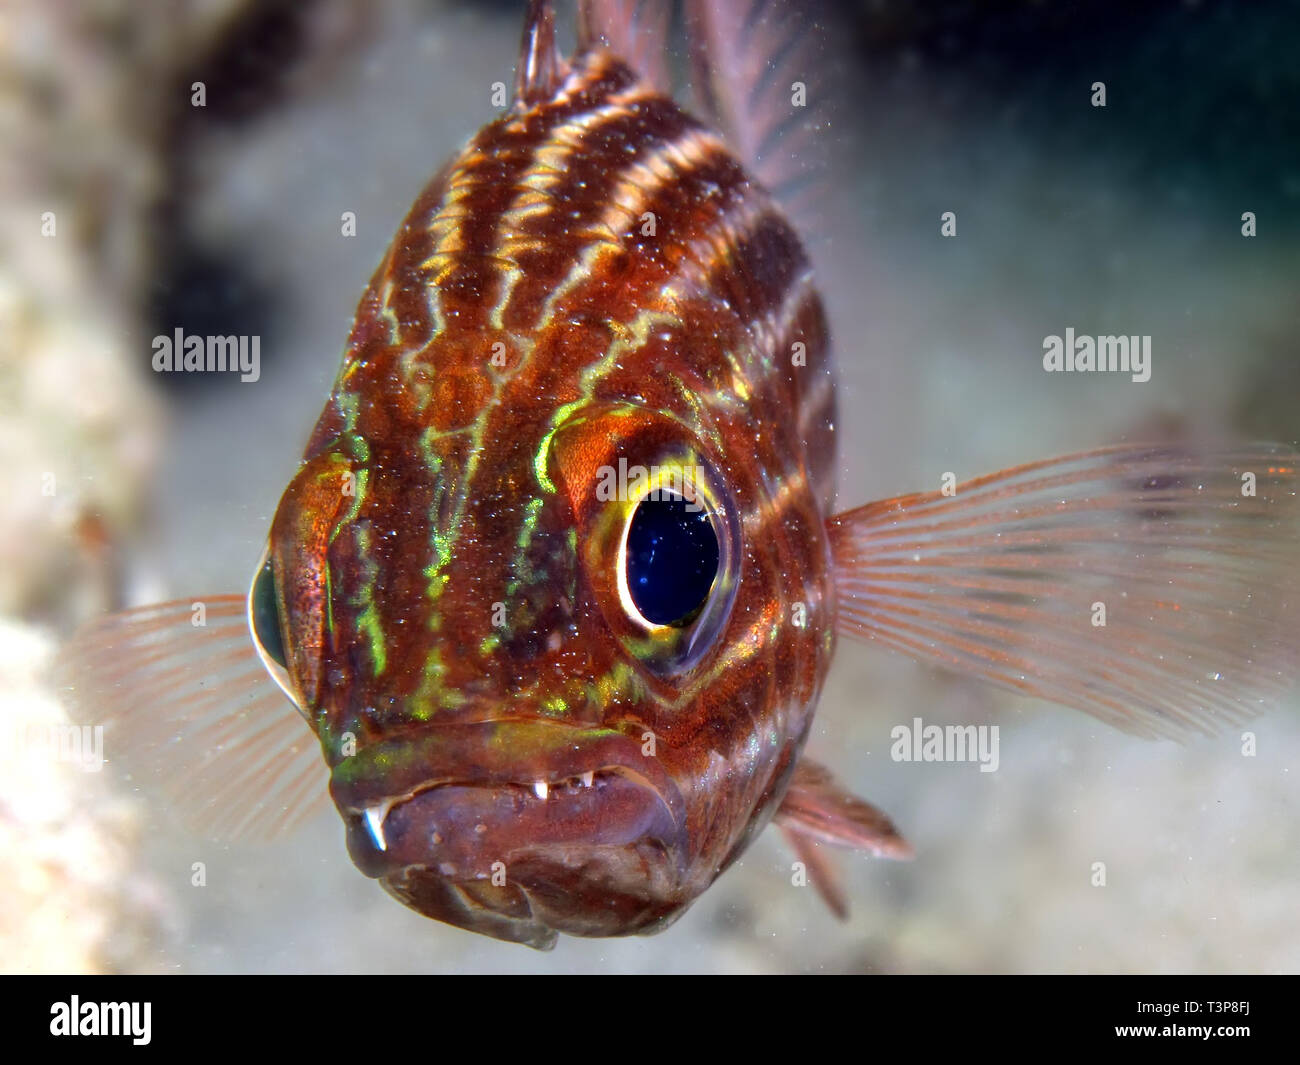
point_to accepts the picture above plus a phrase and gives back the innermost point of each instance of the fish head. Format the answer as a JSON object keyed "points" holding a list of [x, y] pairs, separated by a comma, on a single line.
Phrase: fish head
{"points": [[537, 667], [552, 585]]}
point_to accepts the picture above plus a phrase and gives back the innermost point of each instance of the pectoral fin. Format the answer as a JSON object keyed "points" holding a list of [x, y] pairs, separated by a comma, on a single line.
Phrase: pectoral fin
{"points": [[1156, 588], [186, 703]]}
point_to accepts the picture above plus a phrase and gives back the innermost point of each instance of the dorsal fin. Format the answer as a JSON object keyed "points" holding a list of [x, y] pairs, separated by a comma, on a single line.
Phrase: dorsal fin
{"points": [[634, 30], [765, 75], [541, 68]]}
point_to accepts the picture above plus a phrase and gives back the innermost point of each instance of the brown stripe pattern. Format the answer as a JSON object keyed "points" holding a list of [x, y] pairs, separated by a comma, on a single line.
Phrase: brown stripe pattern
{"points": [[596, 251]]}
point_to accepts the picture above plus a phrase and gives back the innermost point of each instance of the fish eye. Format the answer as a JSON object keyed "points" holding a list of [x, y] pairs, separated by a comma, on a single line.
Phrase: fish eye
{"points": [[264, 624], [658, 533], [670, 560], [676, 567], [264, 614]]}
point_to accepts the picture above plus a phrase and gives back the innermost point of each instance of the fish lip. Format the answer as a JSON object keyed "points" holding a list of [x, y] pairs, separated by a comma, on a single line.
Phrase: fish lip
{"points": [[528, 788], [375, 788], [468, 831], [492, 753], [590, 860]]}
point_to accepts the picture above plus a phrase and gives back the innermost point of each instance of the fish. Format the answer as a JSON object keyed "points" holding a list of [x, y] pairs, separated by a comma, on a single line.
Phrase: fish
{"points": [[548, 606]]}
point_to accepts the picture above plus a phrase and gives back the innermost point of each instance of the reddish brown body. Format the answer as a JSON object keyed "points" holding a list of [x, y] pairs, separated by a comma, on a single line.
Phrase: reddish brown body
{"points": [[643, 300]]}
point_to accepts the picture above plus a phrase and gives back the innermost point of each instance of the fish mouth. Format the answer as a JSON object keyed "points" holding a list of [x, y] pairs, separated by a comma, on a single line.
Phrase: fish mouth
{"points": [[517, 829], [465, 831]]}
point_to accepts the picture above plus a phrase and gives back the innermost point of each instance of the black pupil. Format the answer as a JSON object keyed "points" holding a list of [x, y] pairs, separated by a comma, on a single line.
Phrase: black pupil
{"points": [[266, 615], [672, 558]]}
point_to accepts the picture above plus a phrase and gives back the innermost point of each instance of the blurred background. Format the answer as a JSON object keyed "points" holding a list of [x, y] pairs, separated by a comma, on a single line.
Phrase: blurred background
{"points": [[125, 213]]}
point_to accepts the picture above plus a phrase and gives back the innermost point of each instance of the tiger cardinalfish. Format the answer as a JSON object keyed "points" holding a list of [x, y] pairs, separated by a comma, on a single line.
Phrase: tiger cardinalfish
{"points": [[558, 582]]}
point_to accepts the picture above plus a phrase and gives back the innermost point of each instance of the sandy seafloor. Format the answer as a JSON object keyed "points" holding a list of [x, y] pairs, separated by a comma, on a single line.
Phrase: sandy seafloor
{"points": [[1065, 218]]}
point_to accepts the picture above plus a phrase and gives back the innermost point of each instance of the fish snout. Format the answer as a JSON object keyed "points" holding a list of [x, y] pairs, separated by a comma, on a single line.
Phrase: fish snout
{"points": [[521, 854]]}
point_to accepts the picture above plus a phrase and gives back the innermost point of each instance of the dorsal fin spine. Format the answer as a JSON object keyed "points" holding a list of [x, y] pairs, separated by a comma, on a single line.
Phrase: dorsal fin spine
{"points": [[541, 68]]}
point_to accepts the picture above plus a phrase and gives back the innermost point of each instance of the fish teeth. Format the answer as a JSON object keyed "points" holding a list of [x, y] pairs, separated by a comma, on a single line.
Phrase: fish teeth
{"points": [[583, 780], [374, 816]]}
